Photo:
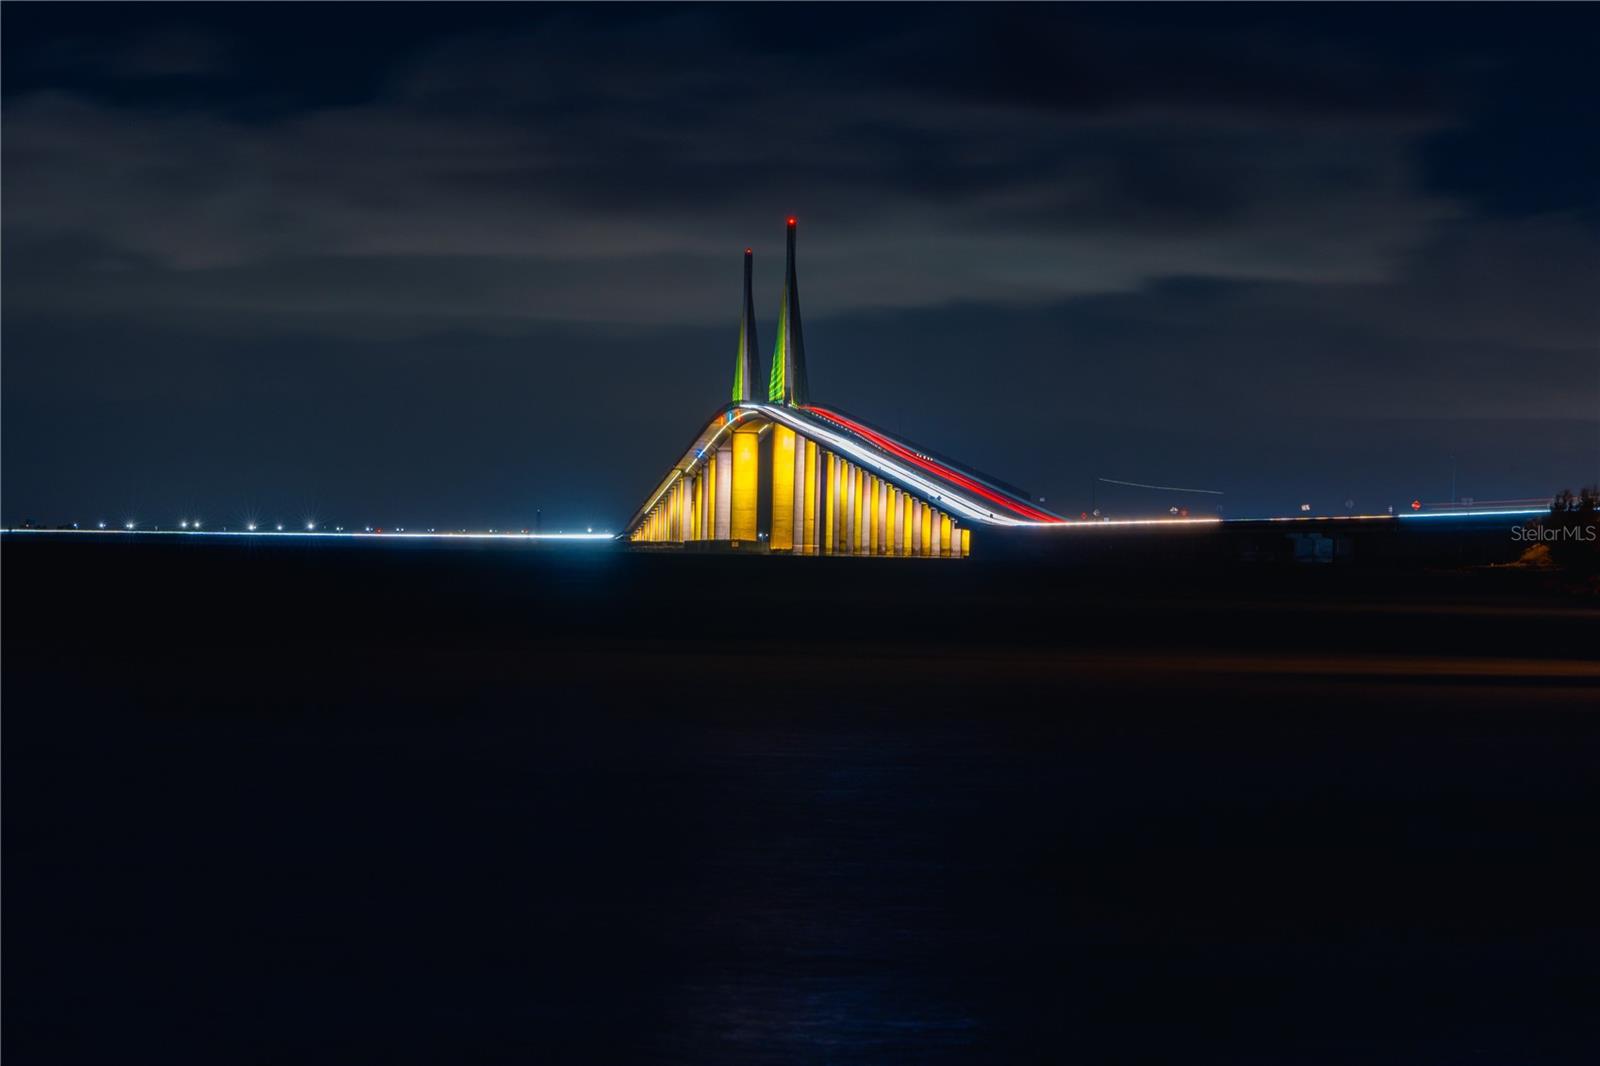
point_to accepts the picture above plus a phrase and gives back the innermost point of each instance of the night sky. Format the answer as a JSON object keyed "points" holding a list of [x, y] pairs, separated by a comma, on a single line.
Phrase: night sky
{"points": [[444, 265]]}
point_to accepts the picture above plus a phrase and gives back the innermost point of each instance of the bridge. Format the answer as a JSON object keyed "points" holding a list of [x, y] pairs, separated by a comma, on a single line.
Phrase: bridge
{"points": [[773, 472]]}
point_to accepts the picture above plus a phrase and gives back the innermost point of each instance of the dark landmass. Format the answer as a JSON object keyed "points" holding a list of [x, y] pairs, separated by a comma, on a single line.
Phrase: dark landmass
{"points": [[268, 803]]}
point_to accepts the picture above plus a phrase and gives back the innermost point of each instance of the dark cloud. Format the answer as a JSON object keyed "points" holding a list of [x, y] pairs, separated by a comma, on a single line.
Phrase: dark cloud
{"points": [[1094, 218], [584, 143]]}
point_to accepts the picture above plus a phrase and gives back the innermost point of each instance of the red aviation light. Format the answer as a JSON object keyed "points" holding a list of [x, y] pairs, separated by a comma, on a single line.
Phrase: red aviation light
{"points": [[791, 220]]}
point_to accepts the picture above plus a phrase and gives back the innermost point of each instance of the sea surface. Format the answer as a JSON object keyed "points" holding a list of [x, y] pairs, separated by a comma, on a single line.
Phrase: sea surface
{"points": [[360, 804]]}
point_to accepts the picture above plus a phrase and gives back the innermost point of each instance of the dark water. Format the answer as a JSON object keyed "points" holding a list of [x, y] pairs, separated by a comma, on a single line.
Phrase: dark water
{"points": [[368, 805]]}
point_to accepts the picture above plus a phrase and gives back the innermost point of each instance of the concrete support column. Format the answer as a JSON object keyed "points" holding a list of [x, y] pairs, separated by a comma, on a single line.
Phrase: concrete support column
{"points": [[941, 535], [830, 502], [858, 512], [685, 508], [925, 535], [955, 540], [847, 534], [872, 515], [711, 496], [782, 534], [966, 543], [705, 501], [799, 495], [725, 491], [808, 515], [847, 520], [746, 483], [694, 507], [874, 488], [885, 545]]}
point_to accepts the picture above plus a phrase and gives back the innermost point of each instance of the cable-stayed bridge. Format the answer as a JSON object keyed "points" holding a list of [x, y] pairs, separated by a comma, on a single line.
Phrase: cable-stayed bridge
{"points": [[772, 471]]}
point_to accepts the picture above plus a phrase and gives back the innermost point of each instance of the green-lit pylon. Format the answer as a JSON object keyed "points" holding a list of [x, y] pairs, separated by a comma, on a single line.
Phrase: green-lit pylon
{"points": [[744, 369], [787, 381]]}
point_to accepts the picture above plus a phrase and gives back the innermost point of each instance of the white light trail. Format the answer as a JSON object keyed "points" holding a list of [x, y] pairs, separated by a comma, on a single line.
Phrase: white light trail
{"points": [[1475, 514], [1163, 488]]}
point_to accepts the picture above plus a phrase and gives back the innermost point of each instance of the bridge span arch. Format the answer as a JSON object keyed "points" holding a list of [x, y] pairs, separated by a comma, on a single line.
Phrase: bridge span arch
{"points": [[814, 481]]}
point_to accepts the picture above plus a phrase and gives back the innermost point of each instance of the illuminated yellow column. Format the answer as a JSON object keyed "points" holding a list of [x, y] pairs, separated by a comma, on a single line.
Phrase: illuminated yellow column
{"points": [[830, 497], [966, 542], [694, 508], [896, 530], [808, 513], [850, 475], [782, 535], [724, 517], [874, 508], [700, 504], [705, 501], [746, 483], [877, 516], [799, 480], [866, 512], [942, 531], [685, 508], [852, 517], [871, 545], [858, 492], [847, 509], [837, 494], [710, 478], [905, 524], [885, 545], [868, 495], [925, 541], [841, 507]]}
